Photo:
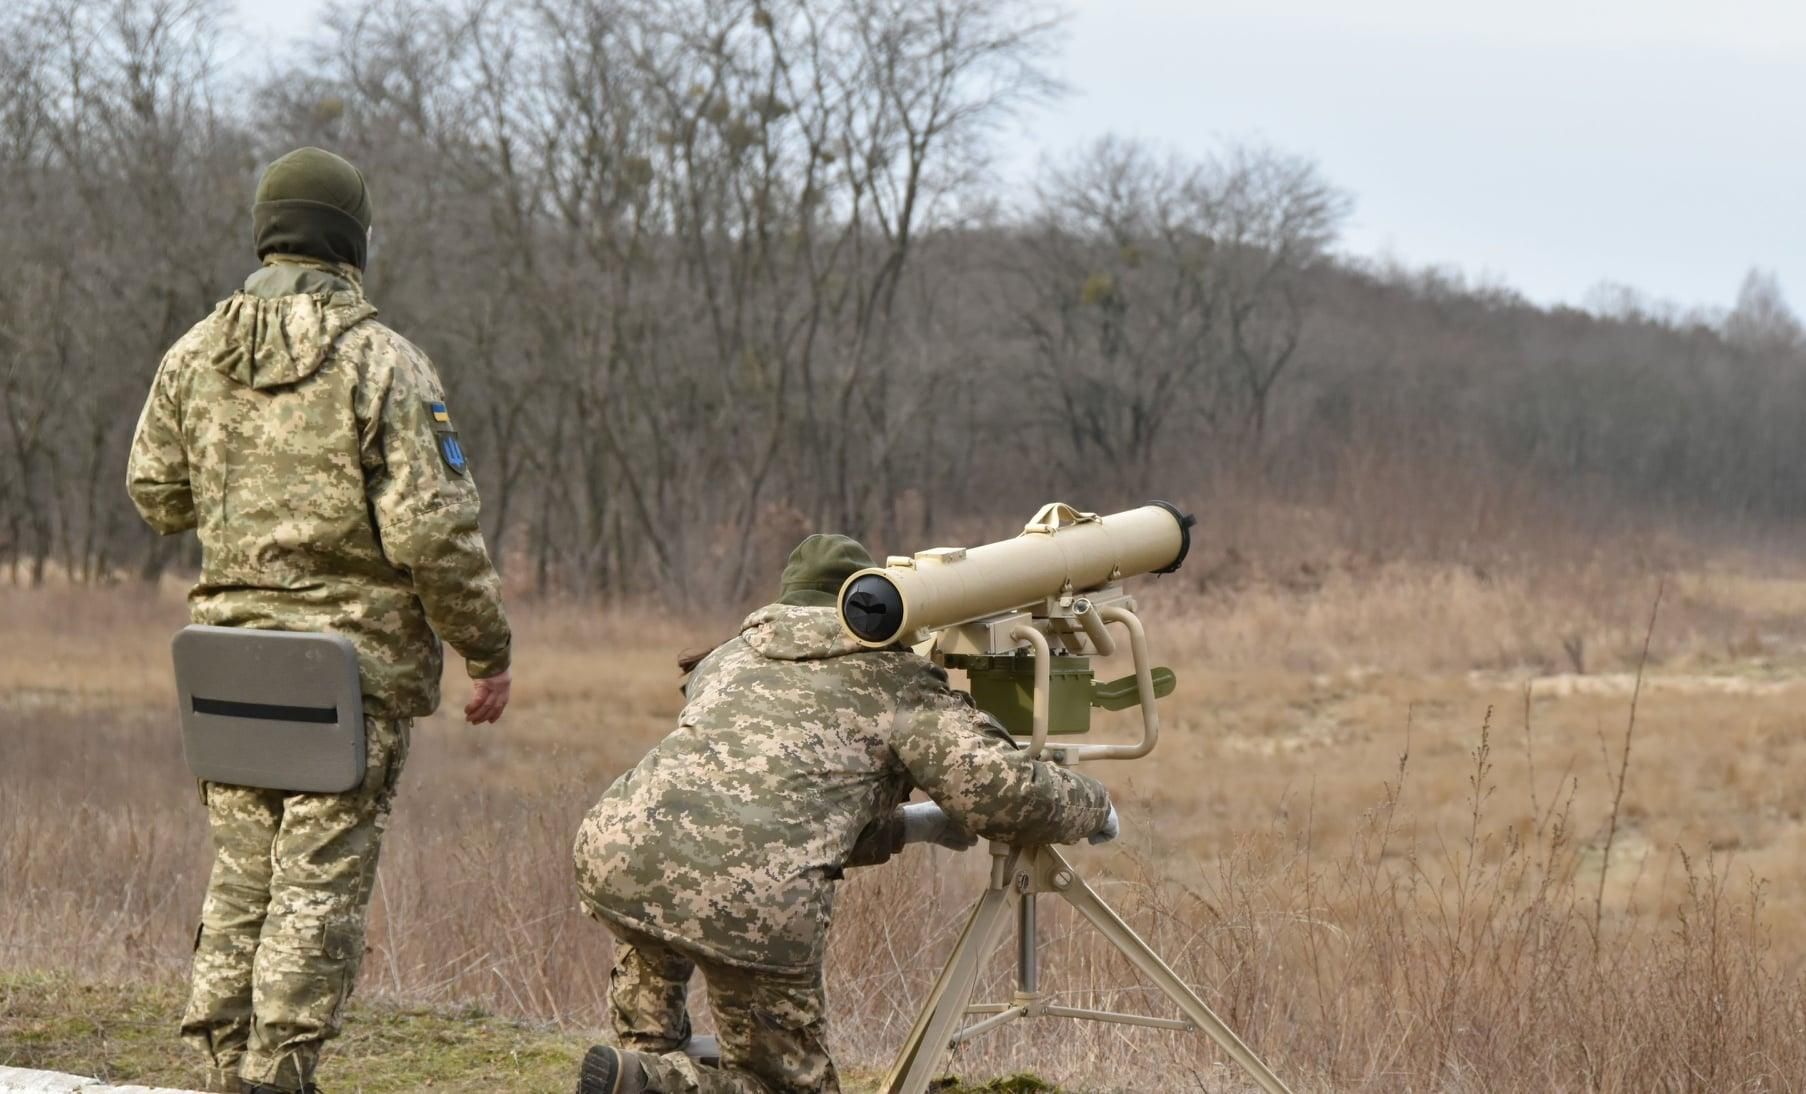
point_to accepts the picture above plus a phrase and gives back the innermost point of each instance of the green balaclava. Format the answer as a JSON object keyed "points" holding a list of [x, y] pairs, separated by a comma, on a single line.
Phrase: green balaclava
{"points": [[817, 569], [311, 202]]}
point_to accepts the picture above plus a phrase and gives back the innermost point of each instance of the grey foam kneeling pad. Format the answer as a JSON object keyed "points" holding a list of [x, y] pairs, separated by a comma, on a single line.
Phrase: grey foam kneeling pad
{"points": [[281, 710]]}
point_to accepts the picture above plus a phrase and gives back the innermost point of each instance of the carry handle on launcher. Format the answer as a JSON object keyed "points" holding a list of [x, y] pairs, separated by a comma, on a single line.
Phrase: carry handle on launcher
{"points": [[1150, 683]]}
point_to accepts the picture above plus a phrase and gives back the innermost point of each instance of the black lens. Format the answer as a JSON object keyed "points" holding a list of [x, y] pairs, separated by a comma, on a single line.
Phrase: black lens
{"points": [[873, 608]]}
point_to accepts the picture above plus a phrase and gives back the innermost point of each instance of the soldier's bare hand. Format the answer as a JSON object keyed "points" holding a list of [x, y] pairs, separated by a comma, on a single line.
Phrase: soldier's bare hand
{"points": [[488, 698]]}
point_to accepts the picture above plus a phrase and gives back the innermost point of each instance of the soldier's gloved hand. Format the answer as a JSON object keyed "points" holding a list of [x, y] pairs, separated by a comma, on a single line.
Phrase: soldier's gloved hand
{"points": [[1111, 829], [488, 698], [925, 822]]}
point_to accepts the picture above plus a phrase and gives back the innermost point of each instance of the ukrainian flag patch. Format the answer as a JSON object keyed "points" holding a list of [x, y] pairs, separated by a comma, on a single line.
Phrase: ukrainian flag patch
{"points": [[445, 437]]}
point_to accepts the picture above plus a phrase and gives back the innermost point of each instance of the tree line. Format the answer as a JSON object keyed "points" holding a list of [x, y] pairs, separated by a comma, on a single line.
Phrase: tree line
{"points": [[702, 276]]}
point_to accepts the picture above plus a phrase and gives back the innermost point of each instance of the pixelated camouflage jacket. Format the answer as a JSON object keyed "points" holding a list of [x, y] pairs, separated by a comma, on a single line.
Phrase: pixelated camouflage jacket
{"points": [[790, 757], [303, 440]]}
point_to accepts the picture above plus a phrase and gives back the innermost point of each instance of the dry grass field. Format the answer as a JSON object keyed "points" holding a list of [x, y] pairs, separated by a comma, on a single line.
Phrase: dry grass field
{"points": [[1402, 831]]}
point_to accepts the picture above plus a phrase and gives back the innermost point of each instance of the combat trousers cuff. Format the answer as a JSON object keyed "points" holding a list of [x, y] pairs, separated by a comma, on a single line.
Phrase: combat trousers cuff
{"points": [[288, 1072], [223, 1060]]}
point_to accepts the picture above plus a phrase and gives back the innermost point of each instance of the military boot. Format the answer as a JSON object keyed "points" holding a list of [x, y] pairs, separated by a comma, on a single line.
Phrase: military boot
{"points": [[609, 1070], [264, 1088]]}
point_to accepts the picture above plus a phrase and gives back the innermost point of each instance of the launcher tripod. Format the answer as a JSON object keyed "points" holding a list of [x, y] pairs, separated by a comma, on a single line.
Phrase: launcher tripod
{"points": [[1016, 676]]}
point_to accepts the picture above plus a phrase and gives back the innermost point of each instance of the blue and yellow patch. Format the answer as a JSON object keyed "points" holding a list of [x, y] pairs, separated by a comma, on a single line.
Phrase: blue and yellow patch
{"points": [[452, 451], [446, 437]]}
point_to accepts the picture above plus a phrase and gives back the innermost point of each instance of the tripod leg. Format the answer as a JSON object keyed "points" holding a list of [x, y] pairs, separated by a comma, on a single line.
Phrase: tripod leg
{"points": [[945, 1006], [1058, 876]]}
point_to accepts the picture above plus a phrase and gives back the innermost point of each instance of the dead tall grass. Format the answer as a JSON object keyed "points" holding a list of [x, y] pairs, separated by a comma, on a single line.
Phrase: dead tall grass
{"points": [[1360, 869]]}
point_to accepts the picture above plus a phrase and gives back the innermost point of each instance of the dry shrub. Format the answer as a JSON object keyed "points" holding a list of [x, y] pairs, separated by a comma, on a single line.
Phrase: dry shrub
{"points": [[1436, 925], [1483, 961]]}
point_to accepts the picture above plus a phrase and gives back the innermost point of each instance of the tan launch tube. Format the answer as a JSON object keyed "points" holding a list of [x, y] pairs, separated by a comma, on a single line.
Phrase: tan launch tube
{"points": [[1060, 550]]}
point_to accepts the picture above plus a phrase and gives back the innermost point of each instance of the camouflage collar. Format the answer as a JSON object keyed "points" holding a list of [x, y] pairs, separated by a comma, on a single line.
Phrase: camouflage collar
{"points": [[786, 632], [287, 274]]}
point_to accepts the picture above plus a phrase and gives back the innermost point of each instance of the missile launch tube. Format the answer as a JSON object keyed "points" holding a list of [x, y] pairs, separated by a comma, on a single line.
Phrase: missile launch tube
{"points": [[1061, 550]]}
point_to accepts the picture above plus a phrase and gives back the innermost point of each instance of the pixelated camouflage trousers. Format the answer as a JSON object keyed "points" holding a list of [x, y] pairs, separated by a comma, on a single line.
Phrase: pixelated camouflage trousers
{"points": [[281, 935], [770, 1026]]}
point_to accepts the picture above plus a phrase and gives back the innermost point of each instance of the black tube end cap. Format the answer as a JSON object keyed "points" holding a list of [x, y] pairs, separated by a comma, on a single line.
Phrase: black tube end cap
{"points": [[872, 609], [1186, 520]]}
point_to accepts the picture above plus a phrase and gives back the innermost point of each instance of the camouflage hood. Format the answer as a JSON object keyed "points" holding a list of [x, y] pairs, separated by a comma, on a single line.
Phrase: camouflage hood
{"points": [[783, 632], [281, 326]]}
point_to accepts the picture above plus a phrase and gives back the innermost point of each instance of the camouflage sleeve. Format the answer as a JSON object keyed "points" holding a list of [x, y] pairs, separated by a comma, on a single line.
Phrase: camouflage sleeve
{"points": [[878, 841], [426, 513], [156, 472], [694, 680], [972, 769]]}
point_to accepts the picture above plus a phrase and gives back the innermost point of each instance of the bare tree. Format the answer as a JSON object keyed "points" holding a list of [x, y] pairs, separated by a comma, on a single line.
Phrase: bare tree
{"points": [[705, 275], [1164, 295], [1271, 218], [114, 156], [1762, 322]]}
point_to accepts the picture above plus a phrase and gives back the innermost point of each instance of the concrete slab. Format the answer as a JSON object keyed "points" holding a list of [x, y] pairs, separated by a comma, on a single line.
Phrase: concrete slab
{"points": [[23, 1080]]}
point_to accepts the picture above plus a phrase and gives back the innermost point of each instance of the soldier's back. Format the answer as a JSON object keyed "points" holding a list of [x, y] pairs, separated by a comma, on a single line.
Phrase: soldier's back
{"points": [[280, 403], [729, 835]]}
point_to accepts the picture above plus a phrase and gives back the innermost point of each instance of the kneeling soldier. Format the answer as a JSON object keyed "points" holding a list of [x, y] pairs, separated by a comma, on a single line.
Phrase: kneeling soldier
{"points": [[720, 850]]}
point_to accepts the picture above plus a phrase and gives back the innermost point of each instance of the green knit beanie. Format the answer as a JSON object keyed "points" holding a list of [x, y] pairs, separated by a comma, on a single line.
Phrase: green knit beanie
{"points": [[817, 569], [313, 203]]}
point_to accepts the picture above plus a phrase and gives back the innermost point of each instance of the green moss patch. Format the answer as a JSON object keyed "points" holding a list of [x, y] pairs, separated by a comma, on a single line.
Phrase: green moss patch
{"points": [[127, 1033]]}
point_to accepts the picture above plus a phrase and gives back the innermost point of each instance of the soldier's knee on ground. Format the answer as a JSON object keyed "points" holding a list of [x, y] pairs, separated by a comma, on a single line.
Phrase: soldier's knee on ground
{"points": [[648, 992], [773, 1027]]}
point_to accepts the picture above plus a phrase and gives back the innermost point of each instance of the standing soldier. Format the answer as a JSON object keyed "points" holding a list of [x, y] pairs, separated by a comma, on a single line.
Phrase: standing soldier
{"points": [[311, 448], [720, 850]]}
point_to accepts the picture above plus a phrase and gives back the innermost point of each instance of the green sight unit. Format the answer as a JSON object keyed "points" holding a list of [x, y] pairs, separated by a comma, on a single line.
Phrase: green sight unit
{"points": [[1003, 685]]}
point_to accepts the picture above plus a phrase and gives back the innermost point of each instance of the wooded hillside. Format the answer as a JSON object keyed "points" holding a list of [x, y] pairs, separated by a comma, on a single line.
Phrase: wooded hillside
{"points": [[702, 276]]}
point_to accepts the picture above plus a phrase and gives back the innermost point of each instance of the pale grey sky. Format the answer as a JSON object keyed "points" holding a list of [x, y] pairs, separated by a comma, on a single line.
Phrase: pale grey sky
{"points": [[1544, 145]]}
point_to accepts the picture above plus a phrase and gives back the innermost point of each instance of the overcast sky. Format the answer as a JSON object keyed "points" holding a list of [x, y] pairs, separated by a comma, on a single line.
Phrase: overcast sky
{"points": [[1542, 144]]}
